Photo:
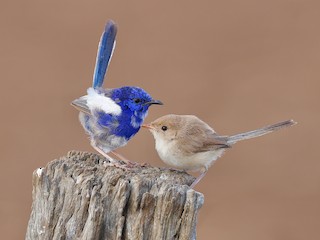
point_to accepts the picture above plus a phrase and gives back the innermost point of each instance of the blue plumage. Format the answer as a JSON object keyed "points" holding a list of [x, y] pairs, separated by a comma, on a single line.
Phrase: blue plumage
{"points": [[105, 51], [111, 117]]}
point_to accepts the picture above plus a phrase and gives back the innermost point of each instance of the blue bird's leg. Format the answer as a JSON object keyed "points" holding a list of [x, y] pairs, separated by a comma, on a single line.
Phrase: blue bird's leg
{"points": [[111, 160], [105, 50], [114, 162], [128, 162]]}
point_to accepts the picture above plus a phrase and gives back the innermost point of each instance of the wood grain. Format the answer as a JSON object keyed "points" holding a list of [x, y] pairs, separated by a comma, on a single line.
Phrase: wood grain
{"points": [[82, 196]]}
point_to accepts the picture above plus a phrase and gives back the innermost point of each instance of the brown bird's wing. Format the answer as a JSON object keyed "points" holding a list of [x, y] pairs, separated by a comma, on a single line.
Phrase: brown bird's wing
{"points": [[211, 143], [199, 137]]}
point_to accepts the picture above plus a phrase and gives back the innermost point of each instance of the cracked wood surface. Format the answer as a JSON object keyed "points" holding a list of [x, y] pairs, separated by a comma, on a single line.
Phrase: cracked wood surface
{"points": [[81, 196]]}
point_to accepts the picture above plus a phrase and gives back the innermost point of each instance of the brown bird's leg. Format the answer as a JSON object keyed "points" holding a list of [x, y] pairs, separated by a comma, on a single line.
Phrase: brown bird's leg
{"points": [[198, 178]]}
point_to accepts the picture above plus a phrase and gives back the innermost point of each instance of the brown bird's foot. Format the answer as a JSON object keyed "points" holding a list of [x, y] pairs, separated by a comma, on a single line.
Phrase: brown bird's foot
{"points": [[177, 170], [145, 165]]}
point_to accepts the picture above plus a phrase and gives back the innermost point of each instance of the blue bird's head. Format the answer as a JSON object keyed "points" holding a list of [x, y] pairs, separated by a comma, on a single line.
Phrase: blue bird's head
{"points": [[133, 99]]}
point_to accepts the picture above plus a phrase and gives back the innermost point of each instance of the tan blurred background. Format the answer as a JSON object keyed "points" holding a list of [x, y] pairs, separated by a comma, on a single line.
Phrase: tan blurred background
{"points": [[238, 65]]}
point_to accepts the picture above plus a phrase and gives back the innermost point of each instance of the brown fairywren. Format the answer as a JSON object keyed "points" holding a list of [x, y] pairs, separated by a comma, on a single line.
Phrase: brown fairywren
{"points": [[186, 142]]}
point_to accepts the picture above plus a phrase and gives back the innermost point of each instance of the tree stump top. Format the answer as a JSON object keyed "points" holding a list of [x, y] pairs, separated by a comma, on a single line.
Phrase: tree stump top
{"points": [[82, 196]]}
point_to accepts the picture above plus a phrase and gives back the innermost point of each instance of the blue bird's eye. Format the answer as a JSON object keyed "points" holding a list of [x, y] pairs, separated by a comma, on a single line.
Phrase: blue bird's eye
{"points": [[137, 100]]}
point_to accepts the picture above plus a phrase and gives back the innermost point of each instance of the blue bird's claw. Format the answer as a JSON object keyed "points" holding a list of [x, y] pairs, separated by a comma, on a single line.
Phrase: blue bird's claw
{"points": [[105, 50], [128, 163]]}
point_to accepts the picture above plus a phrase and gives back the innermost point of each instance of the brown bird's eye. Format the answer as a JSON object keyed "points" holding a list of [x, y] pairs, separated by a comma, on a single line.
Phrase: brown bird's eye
{"points": [[137, 100], [164, 128]]}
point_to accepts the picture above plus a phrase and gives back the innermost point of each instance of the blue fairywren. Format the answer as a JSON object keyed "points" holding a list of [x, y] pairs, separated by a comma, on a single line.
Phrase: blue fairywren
{"points": [[188, 143], [111, 117]]}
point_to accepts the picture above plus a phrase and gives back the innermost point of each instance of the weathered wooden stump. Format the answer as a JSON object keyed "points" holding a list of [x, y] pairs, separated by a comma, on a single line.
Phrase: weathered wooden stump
{"points": [[80, 196]]}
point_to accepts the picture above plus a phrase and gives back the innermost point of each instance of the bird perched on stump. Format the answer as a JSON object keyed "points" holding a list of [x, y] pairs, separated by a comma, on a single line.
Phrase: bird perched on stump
{"points": [[111, 117], [188, 143]]}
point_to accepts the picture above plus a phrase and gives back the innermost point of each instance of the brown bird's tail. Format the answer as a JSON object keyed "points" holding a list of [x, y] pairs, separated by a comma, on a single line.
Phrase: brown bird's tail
{"points": [[259, 132]]}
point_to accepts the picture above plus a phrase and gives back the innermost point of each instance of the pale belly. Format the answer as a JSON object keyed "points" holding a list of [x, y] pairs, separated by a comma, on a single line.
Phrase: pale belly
{"points": [[191, 162]]}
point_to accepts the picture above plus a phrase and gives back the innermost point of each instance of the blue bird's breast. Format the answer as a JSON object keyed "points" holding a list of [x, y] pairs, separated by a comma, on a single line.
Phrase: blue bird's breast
{"points": [[109, 131], [129, 124]]}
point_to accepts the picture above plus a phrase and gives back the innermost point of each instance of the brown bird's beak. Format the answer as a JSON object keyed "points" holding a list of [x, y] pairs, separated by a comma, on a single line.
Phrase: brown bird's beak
{"points": [[148, 126]]}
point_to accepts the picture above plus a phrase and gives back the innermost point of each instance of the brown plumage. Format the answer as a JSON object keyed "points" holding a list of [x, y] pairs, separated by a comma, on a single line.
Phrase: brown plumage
{"points": [[186, 142]]}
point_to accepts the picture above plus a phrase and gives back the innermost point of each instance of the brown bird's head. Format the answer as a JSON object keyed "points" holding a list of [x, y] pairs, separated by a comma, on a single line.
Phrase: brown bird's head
{"points": [[166, 127]]}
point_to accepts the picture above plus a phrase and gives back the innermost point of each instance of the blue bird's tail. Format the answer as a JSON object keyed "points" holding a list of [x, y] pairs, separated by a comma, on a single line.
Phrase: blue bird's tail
{"points": [[105, 50]]}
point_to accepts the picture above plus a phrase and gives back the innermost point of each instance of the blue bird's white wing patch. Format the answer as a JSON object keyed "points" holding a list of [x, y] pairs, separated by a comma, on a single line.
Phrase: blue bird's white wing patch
{"points": [[96, 101], [105, 50]]}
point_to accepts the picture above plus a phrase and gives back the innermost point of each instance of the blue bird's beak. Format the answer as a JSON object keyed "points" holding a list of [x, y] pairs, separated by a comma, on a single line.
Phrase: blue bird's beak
{"points": [[153, 102]]}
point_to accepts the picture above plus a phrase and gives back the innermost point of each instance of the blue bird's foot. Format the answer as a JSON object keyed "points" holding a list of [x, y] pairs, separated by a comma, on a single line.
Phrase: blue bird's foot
{"points": [[113, 162], [130, 164]]}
